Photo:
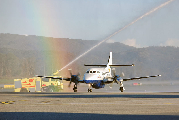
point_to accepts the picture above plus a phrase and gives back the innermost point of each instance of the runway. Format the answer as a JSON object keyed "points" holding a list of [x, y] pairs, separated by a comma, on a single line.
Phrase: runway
{"points": [[89, 106]]}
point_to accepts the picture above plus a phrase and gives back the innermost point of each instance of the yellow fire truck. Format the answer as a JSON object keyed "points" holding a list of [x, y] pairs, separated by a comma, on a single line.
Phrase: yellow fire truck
{"points": [[37, 84]]}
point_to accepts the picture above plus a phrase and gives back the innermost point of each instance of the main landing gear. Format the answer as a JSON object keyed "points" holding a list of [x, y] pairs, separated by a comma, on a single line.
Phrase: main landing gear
{"points": [[121, 87], [75, 88]]}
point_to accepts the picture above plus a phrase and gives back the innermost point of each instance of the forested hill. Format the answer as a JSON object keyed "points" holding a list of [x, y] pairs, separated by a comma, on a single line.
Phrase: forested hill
{"points": [[23, 56]]}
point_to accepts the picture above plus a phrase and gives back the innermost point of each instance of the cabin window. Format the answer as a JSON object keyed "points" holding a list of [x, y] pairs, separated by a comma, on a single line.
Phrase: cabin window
{"points": [[103, 73], [87, 71], [91, 71], [94, 71], [98, 72]]}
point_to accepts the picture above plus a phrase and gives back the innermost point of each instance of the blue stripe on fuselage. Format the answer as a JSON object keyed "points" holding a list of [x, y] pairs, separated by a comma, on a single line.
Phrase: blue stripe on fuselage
{"points": [[92, 81]]}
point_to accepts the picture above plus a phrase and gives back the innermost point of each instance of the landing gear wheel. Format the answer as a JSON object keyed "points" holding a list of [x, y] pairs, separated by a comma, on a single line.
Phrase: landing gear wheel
{"points": [[121, 89], [75, 88], [89, 90]]}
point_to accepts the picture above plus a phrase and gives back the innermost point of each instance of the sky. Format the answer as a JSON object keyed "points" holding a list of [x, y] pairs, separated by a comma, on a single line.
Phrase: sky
{"points": [[93, 20]]}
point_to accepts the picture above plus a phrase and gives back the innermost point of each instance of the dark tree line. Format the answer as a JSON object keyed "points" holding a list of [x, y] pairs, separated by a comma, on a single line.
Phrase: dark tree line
{"points": [[22, 56], [12, 66]]}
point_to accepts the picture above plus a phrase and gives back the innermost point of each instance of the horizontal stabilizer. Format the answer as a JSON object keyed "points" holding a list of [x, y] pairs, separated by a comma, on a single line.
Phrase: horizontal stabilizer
{"points": [[103, 65], [113, 65]]}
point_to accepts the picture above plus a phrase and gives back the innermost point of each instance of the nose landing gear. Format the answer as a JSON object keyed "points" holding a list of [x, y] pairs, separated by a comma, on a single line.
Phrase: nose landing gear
{"points": [[89, 90]]}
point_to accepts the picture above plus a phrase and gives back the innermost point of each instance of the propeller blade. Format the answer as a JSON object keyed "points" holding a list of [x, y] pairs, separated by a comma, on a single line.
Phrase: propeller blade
{"points": [[69, 84], [70, 70], [122, 74], [114, 72], [73, 78], [111, 84], [78, 74]]}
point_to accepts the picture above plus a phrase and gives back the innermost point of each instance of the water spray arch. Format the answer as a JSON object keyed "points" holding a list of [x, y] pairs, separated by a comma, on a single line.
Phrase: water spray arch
{"points": [[139, 18]]}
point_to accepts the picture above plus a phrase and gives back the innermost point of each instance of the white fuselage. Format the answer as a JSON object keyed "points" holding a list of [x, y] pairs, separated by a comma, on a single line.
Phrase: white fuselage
{"points": [[97, 74]]}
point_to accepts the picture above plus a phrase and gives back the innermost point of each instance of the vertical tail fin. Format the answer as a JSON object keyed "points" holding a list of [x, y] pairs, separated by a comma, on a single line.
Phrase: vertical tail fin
{"points": [[110, 59]]}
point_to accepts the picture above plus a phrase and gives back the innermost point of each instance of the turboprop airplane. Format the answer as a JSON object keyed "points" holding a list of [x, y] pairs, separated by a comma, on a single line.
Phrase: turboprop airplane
{"points": [[99, 76]]}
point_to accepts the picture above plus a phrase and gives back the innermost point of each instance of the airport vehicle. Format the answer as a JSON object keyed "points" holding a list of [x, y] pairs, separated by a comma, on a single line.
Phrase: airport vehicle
{"points": [[37, 84], [101, 75]]}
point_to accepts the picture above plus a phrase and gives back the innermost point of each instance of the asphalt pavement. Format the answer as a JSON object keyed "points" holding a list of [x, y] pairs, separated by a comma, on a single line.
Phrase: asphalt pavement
{"points": [[96, 105]]}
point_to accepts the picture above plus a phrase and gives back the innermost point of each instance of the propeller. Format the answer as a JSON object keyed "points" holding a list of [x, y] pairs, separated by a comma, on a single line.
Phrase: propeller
{"points": [[73, 78], [115, 77]]}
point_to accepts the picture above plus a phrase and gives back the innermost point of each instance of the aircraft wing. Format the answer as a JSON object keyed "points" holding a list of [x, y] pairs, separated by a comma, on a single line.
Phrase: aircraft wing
{"points": [[61, 78], [138, 78], [53, 77], [69, 79]]}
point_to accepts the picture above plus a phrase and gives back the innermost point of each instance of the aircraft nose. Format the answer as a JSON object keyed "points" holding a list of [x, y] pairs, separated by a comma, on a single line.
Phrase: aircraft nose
{"points": [[86, 77]]}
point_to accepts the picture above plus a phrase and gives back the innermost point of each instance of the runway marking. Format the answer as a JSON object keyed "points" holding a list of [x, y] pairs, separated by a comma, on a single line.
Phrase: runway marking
{"points": [[44, 101], [11, 101], [167, 103], [23, 100], [8, 102]]}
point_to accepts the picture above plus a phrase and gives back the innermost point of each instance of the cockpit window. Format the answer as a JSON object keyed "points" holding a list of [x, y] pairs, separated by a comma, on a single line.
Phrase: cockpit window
{"points": [[94, 71], [87, 71], [91, 71]]}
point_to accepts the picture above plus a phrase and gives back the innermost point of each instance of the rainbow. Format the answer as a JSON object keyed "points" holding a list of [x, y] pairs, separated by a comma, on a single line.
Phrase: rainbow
{"points": [[54, 57], [53, 53], [42, 24]]}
